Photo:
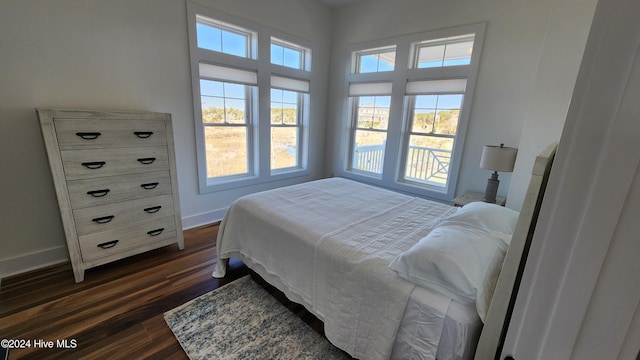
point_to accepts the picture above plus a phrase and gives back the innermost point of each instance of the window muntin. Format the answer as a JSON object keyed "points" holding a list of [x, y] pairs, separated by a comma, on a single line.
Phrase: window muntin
{"points": [[375, 60], [224, 38], [371, 122], [452, 51], [223, 103], [436, 114]]}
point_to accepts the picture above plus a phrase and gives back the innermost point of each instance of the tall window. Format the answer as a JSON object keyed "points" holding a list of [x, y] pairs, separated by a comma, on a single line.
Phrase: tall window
{"points": [[433, 118], [250, 128], [225, 116], [289, 104], [370, 106], [410, 107]]}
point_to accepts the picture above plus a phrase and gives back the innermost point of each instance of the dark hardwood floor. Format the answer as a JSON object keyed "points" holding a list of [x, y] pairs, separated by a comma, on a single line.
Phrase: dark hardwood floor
{"points": [[117, 312]]}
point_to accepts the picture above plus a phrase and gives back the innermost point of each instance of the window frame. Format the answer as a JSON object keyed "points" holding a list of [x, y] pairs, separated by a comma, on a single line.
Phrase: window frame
{"points": [[259, 126], [356, 66], [409, 132], [301, 113], [305, 53], [451, 40], [249, 95], [250, 46], [399, 131], [355, 116]]}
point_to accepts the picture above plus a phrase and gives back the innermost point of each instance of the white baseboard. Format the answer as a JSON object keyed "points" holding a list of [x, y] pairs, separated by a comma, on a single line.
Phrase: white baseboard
{"points": [[33, 261], [190, 222], [57, 255]]}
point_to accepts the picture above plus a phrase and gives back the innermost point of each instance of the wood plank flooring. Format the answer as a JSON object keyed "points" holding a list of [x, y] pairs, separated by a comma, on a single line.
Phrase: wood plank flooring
{"points": [[117, 312]]}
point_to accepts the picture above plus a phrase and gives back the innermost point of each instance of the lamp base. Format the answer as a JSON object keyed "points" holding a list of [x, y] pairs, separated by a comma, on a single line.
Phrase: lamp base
{"points": [[492, 188]]}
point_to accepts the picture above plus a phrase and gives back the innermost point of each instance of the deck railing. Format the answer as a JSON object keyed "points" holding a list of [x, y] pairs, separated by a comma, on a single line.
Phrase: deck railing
{"points": [[369, 158], [424, 164]]}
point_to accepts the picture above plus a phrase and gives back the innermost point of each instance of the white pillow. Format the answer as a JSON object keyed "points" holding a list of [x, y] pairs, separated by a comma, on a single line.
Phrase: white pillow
{"points": [[459, 261], [487, 216]]}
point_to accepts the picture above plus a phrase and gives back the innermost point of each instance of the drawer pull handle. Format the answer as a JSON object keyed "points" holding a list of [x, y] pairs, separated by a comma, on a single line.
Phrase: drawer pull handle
{"points": [[93, 165], [149, 186], [89, 135], [98, 193], [155, 232], [147, 161], [143, 134], [103, 220], [153, 209], [108, 244]]}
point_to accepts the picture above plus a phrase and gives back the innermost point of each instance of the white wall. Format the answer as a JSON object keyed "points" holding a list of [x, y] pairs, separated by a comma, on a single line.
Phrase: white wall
{"points": [[580, 294], [546, 112], [525, 41], [115, 54]]}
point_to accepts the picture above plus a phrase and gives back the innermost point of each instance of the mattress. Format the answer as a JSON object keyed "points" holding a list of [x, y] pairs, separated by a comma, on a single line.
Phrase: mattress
{"points": [[303, 239], [457, 340]]}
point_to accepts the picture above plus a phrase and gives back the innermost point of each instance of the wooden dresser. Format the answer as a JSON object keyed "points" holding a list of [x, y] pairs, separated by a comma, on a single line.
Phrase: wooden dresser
{"points": [[115, 179]]}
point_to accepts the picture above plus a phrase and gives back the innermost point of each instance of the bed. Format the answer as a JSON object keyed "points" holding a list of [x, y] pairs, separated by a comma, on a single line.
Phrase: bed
{"points": [[390, 275]]}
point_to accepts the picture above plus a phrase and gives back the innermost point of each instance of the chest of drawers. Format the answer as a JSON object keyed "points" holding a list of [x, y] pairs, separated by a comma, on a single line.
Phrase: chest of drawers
{"points": [[115, 178]]}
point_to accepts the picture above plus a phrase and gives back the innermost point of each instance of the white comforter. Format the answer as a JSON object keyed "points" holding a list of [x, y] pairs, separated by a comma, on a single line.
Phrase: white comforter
{"points": [[344, 238]]}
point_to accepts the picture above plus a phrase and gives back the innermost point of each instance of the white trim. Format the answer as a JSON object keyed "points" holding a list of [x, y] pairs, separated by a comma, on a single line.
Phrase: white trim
{"points": [[33, 261], [205, 218]]}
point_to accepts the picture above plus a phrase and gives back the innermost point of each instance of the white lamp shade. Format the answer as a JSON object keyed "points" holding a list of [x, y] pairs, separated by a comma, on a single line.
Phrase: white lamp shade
{"points": [[498, 158]]}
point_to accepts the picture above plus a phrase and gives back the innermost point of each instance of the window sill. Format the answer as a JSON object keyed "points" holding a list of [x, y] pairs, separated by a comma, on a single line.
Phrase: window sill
{"points": [[212, 185]]}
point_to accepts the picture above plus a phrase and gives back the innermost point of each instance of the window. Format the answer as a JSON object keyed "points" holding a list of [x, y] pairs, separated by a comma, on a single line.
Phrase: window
{"points": [[288, 54], [226, 96], [289, 102], [224, 38], [374, 60], [433, 109], [433, 118], [225, 116], [250, 128], [412, 113], [370, 105], [452, 51]]}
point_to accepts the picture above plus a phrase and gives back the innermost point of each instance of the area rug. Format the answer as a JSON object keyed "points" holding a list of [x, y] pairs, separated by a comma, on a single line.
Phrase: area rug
{"points": [[241, 320]]}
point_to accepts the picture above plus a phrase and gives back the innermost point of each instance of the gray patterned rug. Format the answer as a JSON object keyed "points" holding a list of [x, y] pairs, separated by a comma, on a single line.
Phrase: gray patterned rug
{"points": [[241, 320]]}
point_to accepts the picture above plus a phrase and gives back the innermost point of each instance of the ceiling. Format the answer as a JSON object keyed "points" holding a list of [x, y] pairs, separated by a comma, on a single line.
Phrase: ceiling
{"points": [[337, 3]]}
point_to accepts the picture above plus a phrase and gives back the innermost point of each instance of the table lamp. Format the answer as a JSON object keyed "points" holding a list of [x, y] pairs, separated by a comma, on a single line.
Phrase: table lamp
{"points": [[496, 158]]}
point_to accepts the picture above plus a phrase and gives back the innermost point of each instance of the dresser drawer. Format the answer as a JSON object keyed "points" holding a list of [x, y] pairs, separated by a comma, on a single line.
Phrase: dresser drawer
{"points": [[112, 189], [123, 214], [97, 133], [107, 243], [82, 164]]}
